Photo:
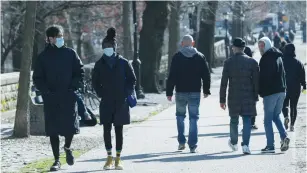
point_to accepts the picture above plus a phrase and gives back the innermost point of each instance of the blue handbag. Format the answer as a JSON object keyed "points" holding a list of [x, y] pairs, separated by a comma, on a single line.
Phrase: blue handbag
{"points": [[131, 98]]}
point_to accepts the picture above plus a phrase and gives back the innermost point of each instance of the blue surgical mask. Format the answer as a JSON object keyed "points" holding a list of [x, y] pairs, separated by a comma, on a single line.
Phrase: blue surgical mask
{"points": [[59, 42], [108, 51]]}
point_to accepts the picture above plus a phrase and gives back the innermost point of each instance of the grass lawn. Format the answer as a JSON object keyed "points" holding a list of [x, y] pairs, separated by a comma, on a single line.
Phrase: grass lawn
{"points": [[43, 165]]}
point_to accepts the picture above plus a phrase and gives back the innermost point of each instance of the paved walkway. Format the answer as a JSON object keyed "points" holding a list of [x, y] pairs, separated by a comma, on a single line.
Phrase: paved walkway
{"points": [[151, 146]]}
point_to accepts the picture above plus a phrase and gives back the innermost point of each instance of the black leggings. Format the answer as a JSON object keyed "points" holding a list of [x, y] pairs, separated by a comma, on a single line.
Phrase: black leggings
{"points": [[118, 135], [55, 144], [253, 120], [293, 100]]}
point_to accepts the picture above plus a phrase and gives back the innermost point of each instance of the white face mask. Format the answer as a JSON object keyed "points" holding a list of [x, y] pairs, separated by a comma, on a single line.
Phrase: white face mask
{"points": [[59, 42], [108, 51]]}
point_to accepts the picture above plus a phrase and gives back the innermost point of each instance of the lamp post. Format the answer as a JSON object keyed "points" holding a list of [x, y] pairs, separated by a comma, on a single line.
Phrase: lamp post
{"points": [[242, 17], [136, 61], [226, 36]]}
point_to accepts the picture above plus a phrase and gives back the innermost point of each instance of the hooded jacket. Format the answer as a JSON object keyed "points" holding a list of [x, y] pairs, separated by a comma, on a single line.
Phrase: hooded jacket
{"points": [[272, 77], [188, 68], [295, 71]]}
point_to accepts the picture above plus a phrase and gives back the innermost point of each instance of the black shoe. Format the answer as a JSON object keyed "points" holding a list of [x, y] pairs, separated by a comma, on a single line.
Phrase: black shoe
{"points": [[286, 123], [285, 144], [268, 150], [56, 166], [69, 157], [254, 127]]}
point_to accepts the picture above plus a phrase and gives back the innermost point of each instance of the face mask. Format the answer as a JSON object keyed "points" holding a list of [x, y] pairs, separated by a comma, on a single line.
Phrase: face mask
{"points": [[108, 51], [59, 42]]}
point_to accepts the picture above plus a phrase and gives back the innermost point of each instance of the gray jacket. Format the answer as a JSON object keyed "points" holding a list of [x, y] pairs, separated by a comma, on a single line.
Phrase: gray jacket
{"points": [[242, 73]]}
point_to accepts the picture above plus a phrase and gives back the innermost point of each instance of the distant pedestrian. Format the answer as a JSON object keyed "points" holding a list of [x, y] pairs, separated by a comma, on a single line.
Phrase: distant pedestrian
{"points": [[113, 79], [282, 46], [291, 36], [58, 74], [261, 34], [272, 87], [188, 68], [277, 40], [249, 53], [241, 72], [295, 79]]}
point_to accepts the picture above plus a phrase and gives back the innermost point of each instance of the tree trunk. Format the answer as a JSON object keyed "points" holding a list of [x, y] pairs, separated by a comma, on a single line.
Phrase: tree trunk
{"points": [[79, 33], [88, 48], [67, 30], [16, 51], [39, 40], [206, 32], [21, 126], [174, 30], [127, 25], [155, 18], [236, 22]]}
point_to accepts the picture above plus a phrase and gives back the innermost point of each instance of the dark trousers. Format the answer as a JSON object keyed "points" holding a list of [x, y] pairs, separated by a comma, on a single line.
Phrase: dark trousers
{"points": [[118, 136], [253, 120], [291, 100], [55, 145]]}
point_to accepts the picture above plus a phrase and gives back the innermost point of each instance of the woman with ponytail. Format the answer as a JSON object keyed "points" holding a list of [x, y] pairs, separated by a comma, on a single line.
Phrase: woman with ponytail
{"points": [[113, 80]]}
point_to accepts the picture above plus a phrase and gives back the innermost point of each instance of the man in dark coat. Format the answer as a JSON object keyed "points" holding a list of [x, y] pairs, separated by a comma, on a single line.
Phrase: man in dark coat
{"points": [[58, 73], [272, 87], [113, 80], [295, 79], [188, 71], [241, 72]]}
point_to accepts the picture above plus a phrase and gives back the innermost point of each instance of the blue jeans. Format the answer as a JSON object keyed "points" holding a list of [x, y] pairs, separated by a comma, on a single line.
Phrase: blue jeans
{"points": [[192, 100], [234, 134], [272, 108]]}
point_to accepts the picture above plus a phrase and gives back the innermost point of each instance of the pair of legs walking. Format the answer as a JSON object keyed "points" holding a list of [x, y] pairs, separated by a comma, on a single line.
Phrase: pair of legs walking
{"points": [[272, 108], [55, 145], [292, 101], [192, 100], [234, 134], [108, 145]]}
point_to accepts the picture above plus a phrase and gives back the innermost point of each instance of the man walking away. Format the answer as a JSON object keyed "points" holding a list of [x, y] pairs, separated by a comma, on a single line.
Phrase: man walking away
{"points": [[241, 72], [272, 87], [187, 69], [295, 78]]}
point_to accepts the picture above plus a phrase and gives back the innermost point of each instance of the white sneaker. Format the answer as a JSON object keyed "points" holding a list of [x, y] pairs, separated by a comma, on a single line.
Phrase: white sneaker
{"points": [[245, 149], [233, 147]]}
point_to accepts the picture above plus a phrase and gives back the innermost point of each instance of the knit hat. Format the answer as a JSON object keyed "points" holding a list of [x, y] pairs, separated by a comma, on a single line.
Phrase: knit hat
{"points": [[248, 52], [110, 40]]}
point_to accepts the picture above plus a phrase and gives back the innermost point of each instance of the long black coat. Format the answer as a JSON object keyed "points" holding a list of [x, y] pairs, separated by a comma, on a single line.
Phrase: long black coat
{"points": [[242, 72], [113, 79], [58, 73]]}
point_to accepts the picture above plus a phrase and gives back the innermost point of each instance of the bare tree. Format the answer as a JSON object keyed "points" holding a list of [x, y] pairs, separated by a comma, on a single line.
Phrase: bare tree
{"points": [[127, 26], [207, 30], [174, 30], [155, 20], [21, 126]]}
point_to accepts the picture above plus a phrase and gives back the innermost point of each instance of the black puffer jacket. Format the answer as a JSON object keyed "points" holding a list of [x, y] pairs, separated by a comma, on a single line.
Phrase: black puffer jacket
{"points": [[295, 71]]}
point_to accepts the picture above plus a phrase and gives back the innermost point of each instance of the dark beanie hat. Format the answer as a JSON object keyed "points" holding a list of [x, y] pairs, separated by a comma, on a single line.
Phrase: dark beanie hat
{"points": [[110, 38], [248, 52], [290, 49]]}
